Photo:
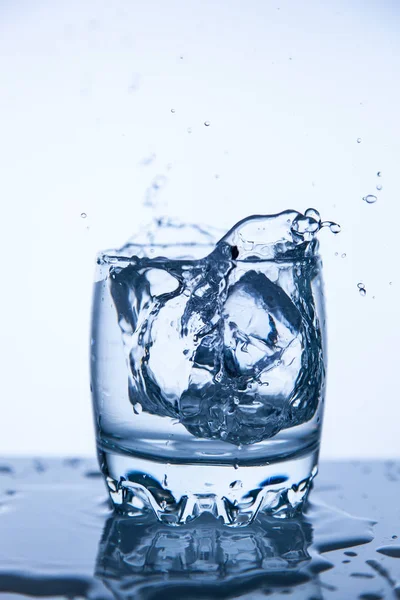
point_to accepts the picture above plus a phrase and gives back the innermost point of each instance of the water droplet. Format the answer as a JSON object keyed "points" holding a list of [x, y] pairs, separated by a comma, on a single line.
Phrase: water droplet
{"points": [[181, 57], [236, 400], [379, 187], [379, 174], [336, 253], [172, 110], [83, 215], [335, 227], [344, 255], [361, 289], [313, 214], [189, 130], [137, 408], [207, 123], [165, 481], [358, 140], [370, 199], [390, 282], [350, 553], [394, 537], [235, 466]]}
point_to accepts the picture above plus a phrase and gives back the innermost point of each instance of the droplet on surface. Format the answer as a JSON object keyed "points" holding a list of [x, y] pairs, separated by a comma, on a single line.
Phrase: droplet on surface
{"points": [[207, 123], [361, 289], [83, 215], [370, 199]]}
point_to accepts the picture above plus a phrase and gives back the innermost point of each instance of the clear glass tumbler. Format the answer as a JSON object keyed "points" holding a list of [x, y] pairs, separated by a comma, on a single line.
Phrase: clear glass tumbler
{"points": [[208, 379]]}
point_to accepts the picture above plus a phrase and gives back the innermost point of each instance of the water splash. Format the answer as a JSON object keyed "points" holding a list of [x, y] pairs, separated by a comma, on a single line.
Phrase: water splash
{"points": [[197, 293]]}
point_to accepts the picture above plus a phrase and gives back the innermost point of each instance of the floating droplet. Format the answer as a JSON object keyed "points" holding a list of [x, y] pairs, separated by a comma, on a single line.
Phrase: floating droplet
{"points": [[358, 140], [172, 110], [361, 289], [379, 173], [83, 215], [370, 199], [379, 187], [335, 228], [344, 255], [207, 123]]}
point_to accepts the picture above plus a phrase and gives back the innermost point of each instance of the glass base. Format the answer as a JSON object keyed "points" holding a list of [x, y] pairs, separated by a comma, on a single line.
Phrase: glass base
{"points": [[177, 494]]}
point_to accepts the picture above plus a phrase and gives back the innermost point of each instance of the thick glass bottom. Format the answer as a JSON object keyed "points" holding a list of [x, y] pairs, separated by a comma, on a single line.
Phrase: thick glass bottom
{"points": [[178, 493]]}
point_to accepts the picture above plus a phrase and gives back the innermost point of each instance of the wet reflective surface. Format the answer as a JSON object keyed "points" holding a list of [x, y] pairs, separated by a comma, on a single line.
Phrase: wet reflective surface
{"points": [[59, 539]]}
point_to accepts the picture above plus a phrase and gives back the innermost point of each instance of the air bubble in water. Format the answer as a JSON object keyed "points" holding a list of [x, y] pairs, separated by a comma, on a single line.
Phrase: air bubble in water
{"points": [[83, 215], [207, 123], [361, 289], [370, 199], [379, 187]]}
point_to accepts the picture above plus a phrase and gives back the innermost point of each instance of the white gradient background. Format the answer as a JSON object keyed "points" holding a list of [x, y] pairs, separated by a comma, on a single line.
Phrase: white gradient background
{"points": [[87, 88]]}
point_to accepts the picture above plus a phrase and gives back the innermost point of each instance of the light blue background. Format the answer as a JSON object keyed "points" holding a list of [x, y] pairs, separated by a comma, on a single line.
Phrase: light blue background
{"points": [[87, 88]]}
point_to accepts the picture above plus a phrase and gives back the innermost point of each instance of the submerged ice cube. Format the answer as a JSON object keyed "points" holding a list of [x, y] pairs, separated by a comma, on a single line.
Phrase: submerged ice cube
{"points": [[227, 342]]}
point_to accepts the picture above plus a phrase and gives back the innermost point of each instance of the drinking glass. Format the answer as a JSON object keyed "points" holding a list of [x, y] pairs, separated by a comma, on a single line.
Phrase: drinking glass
{"points": [[208, 379]]}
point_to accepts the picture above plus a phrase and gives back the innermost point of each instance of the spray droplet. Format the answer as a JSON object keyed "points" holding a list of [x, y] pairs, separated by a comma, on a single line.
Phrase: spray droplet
{"points": [[207, 123], [358, 140], [361, 289], [165, 481], [336, 253], [370, 199], [344, 255], [379, 187], [189, 130], [172, 110], [83, 215], [335, 228], [390, 282], [379, 173]]}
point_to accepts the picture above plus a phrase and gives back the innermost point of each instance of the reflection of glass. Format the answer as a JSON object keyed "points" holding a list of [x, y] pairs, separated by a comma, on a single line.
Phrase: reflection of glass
{"points": [[208, 372], [147, 559]]}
